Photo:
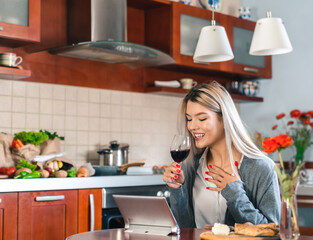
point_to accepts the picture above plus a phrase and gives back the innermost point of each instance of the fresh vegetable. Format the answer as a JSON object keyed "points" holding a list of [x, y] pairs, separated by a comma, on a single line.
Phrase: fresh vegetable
{"points": [[25, 164], [49, 170], [72, 172], [31, 137], [52, 135], [22, 174], [61, 174], [82, 172], [34, 174], [53, 164], [16, 144], [60, 164], [44, 173], [8, 171], [22, 170]]}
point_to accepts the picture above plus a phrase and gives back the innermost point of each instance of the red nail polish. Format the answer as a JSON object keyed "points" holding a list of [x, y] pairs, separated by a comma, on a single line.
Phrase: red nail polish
{"points": [[207, 179], [179, 171], [175, 176], [177, 165], [207, 172], [236, 163], [207, 188], [210, 166]]}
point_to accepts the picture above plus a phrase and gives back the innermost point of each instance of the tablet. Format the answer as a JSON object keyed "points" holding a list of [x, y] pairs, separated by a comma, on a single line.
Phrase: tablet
{"points": [[147, 215]]}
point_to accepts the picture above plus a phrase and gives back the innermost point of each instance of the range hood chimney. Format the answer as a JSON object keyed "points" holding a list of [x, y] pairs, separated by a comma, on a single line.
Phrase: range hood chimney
{"points": [[97, 32]]}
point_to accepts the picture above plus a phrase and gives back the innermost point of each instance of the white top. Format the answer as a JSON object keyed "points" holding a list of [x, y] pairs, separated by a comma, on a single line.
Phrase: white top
{"points": [[209, 206]]}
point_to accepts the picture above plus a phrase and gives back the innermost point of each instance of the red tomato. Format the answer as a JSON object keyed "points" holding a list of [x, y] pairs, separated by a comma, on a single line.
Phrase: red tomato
{"points": [[11, 171], [3, 170]]}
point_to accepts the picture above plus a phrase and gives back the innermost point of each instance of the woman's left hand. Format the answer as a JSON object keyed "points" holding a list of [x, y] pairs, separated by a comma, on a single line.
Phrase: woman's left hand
{"points": [[220, 178]]}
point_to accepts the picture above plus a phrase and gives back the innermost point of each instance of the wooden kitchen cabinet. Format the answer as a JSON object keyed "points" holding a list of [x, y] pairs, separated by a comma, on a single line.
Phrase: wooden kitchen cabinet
{"points": [[47, 215], [20, 22], [8, 216], [305, 213], [240, 32], [89, 210]]}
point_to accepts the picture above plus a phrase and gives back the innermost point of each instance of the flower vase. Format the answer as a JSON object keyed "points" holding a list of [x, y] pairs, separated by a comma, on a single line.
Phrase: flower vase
{"points": [[289, 228]]}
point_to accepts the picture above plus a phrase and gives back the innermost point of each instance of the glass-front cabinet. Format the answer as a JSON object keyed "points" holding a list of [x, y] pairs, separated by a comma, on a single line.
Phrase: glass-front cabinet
{"points": [[305, 213], [19, 22], [241, 32]]}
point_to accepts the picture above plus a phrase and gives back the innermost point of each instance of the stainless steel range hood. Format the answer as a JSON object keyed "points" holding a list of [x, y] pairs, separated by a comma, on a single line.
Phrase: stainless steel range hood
{"points": [[97, 32]]}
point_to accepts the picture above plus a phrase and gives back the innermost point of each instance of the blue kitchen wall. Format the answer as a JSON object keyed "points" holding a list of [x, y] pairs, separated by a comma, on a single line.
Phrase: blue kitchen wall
{"points": [[291, 86]]}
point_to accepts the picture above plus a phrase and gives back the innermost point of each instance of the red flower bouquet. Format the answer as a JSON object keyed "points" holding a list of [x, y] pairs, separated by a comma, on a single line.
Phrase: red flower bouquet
{"points": [[300, 129]]}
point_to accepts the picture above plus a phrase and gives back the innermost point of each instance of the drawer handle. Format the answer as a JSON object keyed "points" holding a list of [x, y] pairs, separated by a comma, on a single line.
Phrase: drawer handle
{"points": [[92, 212], [0, 200], [305, 201], [248, 69], [49, 198], [1, 28]]}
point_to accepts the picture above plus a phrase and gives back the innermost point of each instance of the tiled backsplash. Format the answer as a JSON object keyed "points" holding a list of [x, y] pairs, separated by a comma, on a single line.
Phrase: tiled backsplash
{"points": [[90, 118]]}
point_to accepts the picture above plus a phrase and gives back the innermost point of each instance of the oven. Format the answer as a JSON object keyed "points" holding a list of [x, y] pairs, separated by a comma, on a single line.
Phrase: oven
{"points": [[111, 217]]}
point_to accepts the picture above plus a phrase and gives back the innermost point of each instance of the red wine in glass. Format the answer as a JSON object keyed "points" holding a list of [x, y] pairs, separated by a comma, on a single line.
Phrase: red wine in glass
{"points": [[180, 148]]}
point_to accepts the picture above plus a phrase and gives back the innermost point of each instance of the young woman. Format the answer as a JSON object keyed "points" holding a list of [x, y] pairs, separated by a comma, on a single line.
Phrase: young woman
{"points": [[226, 178]]}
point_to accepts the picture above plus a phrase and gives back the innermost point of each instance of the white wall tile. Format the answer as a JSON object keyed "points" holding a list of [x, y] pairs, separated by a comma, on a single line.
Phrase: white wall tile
{"points": [[105, 138], [94, 109], [5, 119], [18, 104], [136, 112], [92, 153], [82, 138], [45, 122], [32, 121], [19, 88], [5, 87], [105, 110], [70, 152], [126, 112], [82, 123], [71, 93], [32, 90], [126, 98], [126, 125], [116, 97], [6, 130], [94, 139], [105, 96], [32, 105], [82, 109], [45, 91], [137, 99], [58, 122], [82, 153], [59, 92], [46, 106], [82, 94], [105, 124], [58, 107], [116, 125], [94, 95], [70, 138], [18, 120], [94, 124], [5, 103], [116, 111], [70, 123], [71, 108]]}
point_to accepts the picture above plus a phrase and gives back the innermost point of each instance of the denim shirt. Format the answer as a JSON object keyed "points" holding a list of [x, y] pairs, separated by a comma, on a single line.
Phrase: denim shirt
{"points": [[255, 199]]}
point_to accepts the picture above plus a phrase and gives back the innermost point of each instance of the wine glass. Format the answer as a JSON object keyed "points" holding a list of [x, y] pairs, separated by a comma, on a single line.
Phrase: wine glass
{"points": [[180, 148]]}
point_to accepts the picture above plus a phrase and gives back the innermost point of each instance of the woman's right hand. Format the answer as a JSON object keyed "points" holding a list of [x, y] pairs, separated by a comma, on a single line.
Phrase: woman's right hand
{"points": [[173, 172]]}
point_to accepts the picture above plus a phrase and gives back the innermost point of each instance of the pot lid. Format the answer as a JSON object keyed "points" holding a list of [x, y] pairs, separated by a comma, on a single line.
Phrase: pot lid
{"points": [[113, 146]]}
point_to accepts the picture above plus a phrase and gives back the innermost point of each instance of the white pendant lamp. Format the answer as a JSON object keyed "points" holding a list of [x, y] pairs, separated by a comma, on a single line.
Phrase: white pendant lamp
{"points": [[213, 44], [270, 37]]}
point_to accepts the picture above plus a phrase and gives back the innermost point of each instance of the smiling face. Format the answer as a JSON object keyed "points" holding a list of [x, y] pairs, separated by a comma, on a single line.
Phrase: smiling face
{"points": [[205, 125]]}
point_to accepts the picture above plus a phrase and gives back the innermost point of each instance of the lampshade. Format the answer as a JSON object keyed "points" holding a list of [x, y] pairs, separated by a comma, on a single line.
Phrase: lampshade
{"points": [[270, 37], [213, 45]]}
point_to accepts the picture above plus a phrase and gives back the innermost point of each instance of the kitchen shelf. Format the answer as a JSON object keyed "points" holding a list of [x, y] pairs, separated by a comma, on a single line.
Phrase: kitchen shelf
{"points": [[179, 92], [13, 73]]}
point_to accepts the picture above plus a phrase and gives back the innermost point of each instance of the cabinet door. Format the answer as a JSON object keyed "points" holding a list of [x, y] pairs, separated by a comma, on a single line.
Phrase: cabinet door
{"points": [[47, 215], [305, 213], [8, 216], [19, 22], [242, 32], [89, 209]]}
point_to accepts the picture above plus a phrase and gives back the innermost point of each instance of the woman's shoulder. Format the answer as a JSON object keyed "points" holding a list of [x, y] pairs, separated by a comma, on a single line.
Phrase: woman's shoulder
{"points": [[257, 165]]}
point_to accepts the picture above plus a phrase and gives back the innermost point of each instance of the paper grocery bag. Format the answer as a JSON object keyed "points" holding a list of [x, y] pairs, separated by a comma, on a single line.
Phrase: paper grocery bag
{"points": [[52, 146], [27, 152], [6, 159]]}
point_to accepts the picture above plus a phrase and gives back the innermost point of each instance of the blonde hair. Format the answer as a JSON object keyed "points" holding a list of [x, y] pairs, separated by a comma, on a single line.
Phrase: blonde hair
{"points": [[215, 97]]}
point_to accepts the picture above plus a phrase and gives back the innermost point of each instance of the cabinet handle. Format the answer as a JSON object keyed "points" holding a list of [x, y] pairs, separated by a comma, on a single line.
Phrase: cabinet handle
{"points": [[0, 200], [305, 201], [1, 28], [49, 198], [248, 69], [92, 212]]}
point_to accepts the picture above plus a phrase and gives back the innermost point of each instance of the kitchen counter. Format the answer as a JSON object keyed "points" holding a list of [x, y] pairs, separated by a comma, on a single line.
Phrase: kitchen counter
{"points": [[47, 184], [305, 190]]}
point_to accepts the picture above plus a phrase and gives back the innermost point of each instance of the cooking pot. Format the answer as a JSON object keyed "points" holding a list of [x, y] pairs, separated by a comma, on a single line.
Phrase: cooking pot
{"points": [[115, 154]]}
